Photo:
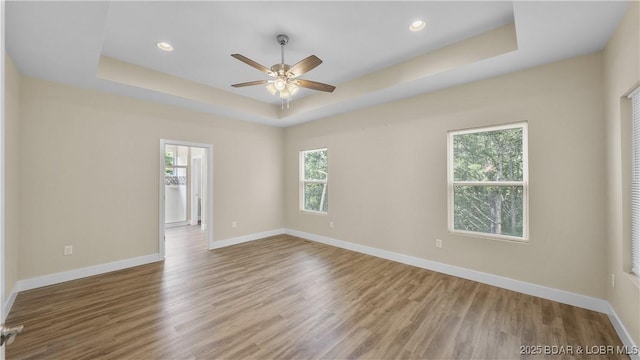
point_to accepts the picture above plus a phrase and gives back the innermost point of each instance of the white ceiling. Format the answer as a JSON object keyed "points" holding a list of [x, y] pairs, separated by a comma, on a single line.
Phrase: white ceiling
{"points": [[64, 41]]}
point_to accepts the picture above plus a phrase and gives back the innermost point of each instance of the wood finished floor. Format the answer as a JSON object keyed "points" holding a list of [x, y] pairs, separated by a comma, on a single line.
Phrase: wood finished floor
{"points": [[287, 298]]}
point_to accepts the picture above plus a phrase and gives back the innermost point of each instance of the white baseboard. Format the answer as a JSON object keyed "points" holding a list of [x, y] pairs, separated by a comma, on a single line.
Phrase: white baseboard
{"points": [[244, 238], [565, 297], [9, 303], [624, 335], [561, 296], [50, 279]]}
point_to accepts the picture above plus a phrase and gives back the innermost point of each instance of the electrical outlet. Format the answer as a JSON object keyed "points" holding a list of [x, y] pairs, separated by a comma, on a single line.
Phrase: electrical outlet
{"points": [[331, 224], [68, 250], [613, 280], [233, 224], [439, 243]]}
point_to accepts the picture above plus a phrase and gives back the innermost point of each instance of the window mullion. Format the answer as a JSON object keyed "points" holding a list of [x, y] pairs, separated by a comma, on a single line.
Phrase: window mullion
{"points": [[488, 183]]}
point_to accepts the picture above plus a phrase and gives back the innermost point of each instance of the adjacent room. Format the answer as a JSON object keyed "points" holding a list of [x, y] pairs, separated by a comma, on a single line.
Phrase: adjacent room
{"points": [[320, 180]]}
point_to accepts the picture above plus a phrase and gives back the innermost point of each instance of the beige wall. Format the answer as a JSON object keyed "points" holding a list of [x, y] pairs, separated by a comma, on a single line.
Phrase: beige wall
{"points": [[622, 74], [388, 182], [12, 172], [90, 168]]}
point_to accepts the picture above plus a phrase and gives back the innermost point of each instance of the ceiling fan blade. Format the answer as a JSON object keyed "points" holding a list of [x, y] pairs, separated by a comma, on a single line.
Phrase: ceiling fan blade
{"points": [[251, 83], [252, 63], [304, 65], [314, 85]]}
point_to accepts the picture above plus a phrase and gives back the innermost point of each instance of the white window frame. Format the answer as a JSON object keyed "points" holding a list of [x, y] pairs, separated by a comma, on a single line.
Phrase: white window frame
{"points": [[304, 181], [635, 181], [524, 183]]}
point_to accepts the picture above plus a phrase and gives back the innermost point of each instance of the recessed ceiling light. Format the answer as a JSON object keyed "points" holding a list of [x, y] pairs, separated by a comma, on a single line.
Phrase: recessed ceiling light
{"points": [[417, 25], [164, 46]]}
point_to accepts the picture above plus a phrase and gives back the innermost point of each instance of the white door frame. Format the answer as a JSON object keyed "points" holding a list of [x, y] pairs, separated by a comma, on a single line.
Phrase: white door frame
{"points": [[196, 179], [2, 178], [209, 192]]}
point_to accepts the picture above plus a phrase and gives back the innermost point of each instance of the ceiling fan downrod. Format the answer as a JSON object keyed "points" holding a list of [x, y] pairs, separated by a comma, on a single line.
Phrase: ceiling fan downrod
{"points": [[282, 40]]}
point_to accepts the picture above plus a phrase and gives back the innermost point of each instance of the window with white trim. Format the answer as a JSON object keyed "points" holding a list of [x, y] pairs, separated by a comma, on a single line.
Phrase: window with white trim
{"points": [[635, 181], [314, 175], [488, 182]]}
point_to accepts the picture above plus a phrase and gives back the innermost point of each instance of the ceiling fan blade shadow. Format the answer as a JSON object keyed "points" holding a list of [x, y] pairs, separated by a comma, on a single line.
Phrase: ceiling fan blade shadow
{"points": [[314, 85], [251, 83], [254, 64], [307, 64]]}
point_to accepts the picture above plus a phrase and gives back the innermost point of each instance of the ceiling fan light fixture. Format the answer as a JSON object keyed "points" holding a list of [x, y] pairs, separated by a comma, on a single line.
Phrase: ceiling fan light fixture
{"points": [[292, 88], [271, 88], [288, 90], [417, 25], [280, 84]]}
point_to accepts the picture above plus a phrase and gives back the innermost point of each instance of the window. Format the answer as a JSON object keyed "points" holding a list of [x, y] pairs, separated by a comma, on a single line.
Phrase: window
{"points": [[488, 181], [635, 181], [314, 192], [175, 165]]}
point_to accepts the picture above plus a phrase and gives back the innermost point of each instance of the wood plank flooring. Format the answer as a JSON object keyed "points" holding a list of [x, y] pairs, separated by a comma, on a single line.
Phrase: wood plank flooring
{"points": [[287, 298]]}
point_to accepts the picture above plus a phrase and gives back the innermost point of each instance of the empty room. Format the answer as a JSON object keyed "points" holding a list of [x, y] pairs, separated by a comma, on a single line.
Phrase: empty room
{"points": [[320, 180]]}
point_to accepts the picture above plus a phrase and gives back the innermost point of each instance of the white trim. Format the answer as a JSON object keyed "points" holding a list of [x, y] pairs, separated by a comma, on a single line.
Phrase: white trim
{"points": [[561, 296], [176, 224], [194, 198], [490, 183], [624, 335], [246, 238], [161, 198], [56, 278], [302, 180], [3, 273], [9, 304], [452, 183]]}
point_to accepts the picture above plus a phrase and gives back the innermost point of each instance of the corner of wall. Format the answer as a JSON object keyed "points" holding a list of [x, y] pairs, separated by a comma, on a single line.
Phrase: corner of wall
{"points": [[621, 73], [11, 170]]}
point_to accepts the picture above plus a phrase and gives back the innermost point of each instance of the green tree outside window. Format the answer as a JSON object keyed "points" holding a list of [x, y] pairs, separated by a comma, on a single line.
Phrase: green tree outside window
{"points": [[488, 184], [314, 176]]}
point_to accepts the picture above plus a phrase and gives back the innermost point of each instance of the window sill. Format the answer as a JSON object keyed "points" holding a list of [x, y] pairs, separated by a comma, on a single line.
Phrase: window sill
{"points": [[314, 212], [510, 239]]}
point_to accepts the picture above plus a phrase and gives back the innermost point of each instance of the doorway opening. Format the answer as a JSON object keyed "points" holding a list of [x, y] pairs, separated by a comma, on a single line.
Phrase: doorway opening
{"points": [[186, 189]]}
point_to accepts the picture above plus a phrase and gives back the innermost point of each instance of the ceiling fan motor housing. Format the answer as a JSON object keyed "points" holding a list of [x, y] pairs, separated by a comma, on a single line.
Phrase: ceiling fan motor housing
{"points": [[280, 69]]}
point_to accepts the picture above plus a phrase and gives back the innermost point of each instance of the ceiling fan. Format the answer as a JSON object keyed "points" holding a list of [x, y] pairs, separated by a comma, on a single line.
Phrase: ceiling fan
{"points": [[285, 80]]}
